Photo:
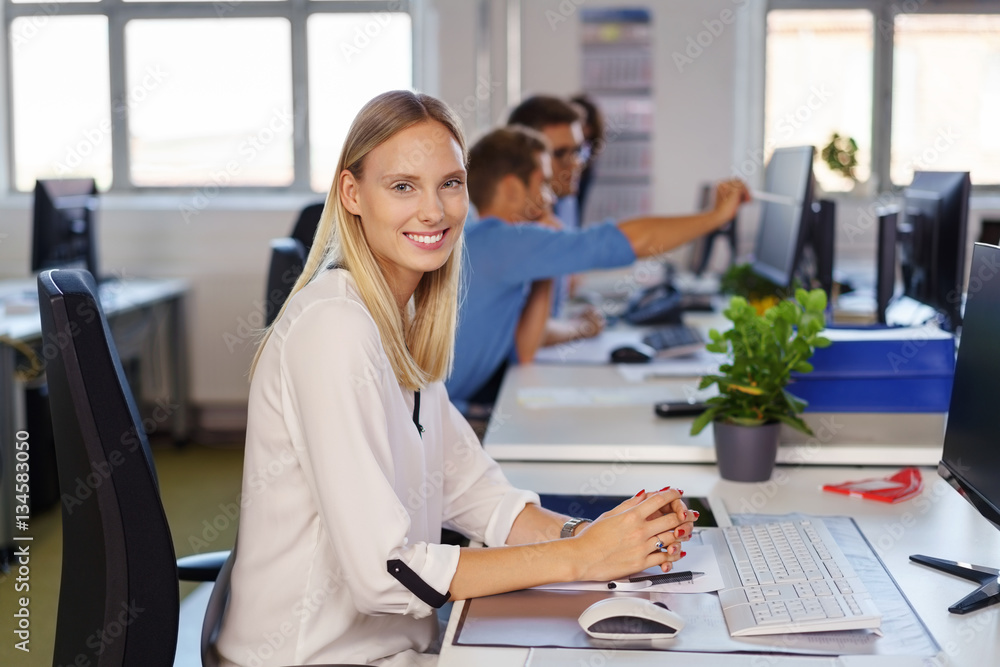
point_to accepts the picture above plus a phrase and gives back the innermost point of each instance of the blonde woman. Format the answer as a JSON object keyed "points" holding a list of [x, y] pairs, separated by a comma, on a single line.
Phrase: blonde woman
{"points": [[355, 458]]}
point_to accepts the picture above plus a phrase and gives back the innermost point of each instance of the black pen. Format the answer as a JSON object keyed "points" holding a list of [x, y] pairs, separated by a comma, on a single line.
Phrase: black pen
{"points": [[668, 577]]}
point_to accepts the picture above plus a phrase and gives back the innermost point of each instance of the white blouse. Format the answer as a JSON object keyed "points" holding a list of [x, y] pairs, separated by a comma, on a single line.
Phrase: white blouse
{"points": [[337, 482]]}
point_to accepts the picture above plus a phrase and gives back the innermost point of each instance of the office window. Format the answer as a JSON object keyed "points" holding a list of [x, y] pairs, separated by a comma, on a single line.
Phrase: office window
{"points": [[352, 58], [916, 84], [946, 96], [60, 106], [220, 109], [818, 81], [195, 93]]}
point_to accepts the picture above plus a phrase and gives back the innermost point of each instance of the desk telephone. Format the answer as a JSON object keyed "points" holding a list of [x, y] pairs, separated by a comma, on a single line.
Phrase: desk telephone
{"points": [[661, 304]]}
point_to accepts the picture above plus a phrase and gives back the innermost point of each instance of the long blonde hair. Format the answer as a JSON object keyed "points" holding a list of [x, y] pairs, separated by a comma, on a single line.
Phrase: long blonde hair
{"points": [[420, 343]]}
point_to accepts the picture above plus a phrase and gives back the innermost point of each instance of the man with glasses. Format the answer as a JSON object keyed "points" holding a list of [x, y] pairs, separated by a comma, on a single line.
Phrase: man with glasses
{"points": [[562, 124], [517, 248]]}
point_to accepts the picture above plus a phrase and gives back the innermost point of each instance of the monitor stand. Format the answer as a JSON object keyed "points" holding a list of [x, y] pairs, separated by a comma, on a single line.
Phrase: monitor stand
{"points": [[988, 592]]}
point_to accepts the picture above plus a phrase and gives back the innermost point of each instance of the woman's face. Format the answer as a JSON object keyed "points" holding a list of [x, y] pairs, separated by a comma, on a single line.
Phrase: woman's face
{"points": [[412, 200]]}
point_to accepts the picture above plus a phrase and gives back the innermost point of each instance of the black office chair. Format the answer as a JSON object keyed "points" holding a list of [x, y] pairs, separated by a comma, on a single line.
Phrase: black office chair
{"points": [[119, 571], [305, 227], [288, 257]]}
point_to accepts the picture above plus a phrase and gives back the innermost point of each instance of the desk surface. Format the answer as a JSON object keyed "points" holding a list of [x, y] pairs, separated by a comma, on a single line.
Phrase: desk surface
{"points": [[618, 424], [937, 523], [116, 297]]}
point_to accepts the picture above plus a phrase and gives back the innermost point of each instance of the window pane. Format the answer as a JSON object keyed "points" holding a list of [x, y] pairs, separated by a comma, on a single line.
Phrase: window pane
{"points": [[352, 58], [217, 111], [818, 82], [946, 96], [61, 99]]}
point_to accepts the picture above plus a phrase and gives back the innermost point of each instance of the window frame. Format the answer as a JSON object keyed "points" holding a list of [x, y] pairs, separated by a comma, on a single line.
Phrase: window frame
{"points": [[119, 13], [884, 13]]}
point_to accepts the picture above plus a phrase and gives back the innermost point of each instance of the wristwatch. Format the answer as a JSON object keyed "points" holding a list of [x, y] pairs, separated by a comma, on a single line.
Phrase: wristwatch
{"points": [[569, 526]]}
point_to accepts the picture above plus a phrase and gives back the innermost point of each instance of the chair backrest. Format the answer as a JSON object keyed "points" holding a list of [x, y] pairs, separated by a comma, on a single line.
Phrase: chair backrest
{"points": [[288, 258], [305, 227], [118, 596]]}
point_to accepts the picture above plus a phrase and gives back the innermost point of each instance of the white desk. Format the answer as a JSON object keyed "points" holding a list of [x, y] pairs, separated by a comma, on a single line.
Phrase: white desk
{"points": [[938, 523], [155, 305], [624, 428]]}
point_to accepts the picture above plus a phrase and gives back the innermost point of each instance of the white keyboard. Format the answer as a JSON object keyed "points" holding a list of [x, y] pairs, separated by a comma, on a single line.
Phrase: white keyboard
{"points": [[792, 577]]}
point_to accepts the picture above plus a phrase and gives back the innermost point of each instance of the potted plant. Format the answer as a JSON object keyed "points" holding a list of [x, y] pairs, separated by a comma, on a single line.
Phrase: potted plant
{"points": [[841, 156], [762, 352]]}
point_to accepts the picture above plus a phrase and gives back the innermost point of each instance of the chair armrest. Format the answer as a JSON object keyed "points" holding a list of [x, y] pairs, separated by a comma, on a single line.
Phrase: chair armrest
{"points": [[201, 567]]}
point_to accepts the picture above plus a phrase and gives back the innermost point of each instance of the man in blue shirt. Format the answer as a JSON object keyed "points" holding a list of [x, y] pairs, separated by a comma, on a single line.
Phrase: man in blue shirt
{"points": [[517, 247]]}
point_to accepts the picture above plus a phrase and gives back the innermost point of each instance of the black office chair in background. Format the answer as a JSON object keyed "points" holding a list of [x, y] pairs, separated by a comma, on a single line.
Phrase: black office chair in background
{"points": [[119, 568], [305, 226], [288, 257]]}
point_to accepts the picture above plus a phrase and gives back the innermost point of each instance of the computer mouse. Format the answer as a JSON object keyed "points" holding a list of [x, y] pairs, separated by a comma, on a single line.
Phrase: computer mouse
{"points": [[629, 354], [630, 617]]}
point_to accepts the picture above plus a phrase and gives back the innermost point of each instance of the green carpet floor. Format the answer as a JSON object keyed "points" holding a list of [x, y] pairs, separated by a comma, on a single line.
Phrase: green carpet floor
{"points": [[200, 488]]}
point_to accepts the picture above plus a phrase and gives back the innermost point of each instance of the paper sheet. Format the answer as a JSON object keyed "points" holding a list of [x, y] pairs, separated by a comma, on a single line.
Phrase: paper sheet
{"points": [[700, 558], [536, 398]]}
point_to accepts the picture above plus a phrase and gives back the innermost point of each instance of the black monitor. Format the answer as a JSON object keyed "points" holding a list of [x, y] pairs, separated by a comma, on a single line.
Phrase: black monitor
{"points": [[785, 215], [885, 261], [931, 241], [970, 461], [64, 218]]}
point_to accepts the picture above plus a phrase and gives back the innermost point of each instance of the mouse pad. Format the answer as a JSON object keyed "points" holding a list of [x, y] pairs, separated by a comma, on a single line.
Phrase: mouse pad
{"points": [[548, 618], [593, 506]]}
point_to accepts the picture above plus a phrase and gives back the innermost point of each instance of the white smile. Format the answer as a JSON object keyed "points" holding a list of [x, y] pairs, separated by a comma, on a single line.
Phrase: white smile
{"points": [[427, 239]]}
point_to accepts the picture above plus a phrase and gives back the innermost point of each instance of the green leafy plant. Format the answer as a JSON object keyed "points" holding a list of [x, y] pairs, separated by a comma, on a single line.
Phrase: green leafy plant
{"points": [[841, 155], [762, 352]]}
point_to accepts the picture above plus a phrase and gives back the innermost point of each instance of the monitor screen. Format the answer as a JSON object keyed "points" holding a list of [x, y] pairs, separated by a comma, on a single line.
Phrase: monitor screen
{"points": [[932, 241], [788, 183], [63, 234], [971, 458]]}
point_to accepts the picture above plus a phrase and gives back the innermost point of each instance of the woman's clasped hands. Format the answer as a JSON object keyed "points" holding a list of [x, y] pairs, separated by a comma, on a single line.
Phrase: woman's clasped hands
{"points": [[644, 531]]}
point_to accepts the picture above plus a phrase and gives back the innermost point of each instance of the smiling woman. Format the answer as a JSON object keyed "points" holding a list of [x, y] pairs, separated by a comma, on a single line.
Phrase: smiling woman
{"points": [[343, 561]]}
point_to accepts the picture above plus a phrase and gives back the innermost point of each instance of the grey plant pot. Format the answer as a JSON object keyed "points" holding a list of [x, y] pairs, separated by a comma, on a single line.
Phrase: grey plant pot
{"points": [[746, 453]]}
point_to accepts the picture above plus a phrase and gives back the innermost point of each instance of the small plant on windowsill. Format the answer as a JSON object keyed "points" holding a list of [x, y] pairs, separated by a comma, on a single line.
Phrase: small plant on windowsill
{"points": [[841, 156], [762, 351]]}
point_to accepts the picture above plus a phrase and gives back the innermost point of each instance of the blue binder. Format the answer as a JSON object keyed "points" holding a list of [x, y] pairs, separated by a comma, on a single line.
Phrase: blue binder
{"points": [[909, 374]]}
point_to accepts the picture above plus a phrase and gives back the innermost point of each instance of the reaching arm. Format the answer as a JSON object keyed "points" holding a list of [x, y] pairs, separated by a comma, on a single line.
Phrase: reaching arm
{"points": [[534, 318], [655, 235], [587, 325]]}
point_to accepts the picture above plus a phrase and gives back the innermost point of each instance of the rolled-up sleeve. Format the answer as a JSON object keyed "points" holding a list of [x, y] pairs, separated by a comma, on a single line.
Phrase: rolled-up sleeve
{"points": [[479, 502], [336, 384]]}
